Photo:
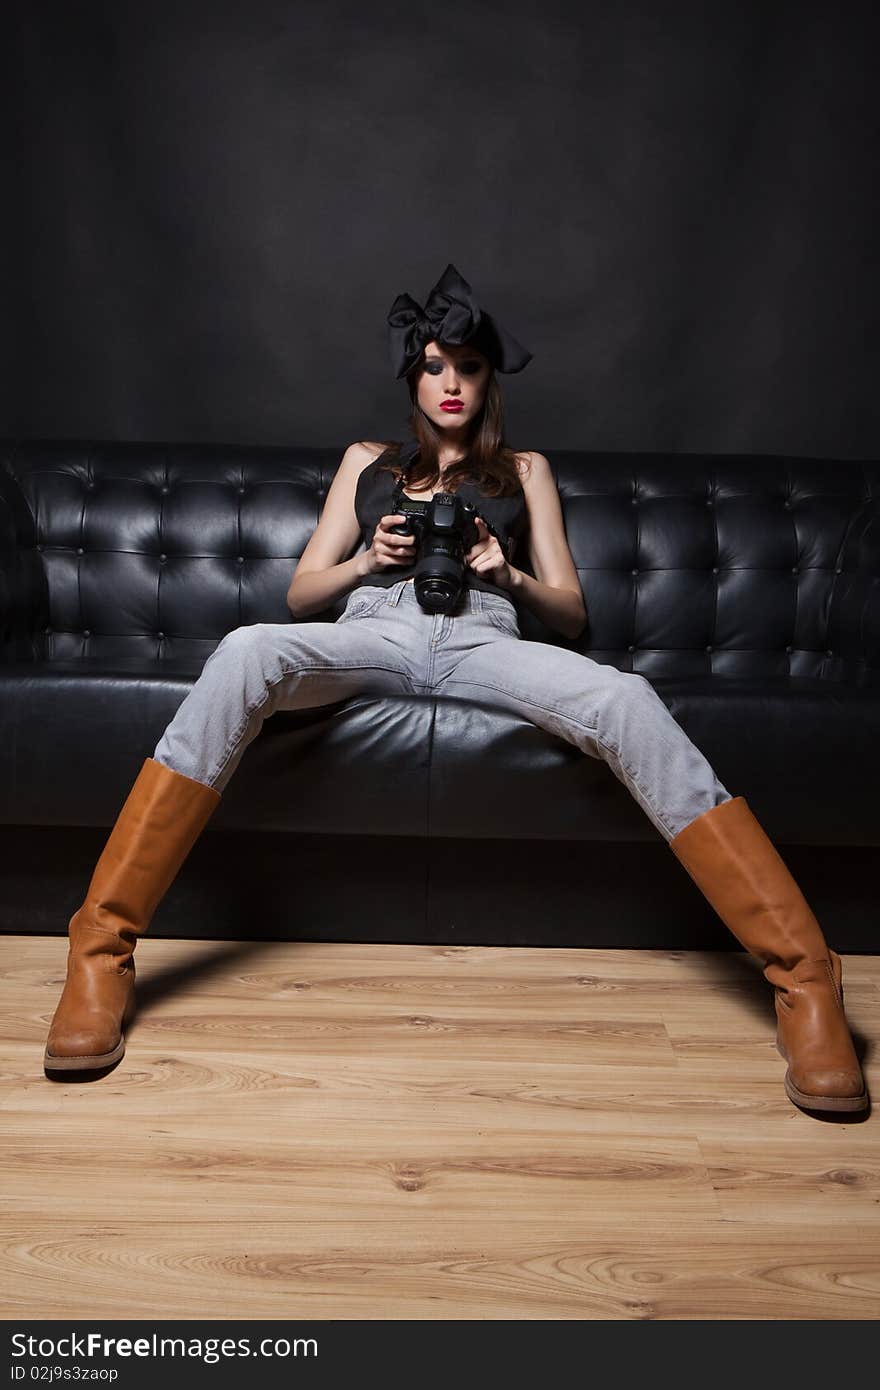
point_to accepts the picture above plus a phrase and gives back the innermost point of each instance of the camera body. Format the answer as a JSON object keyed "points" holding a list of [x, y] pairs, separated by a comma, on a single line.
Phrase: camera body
{"points": [[445, 529]]}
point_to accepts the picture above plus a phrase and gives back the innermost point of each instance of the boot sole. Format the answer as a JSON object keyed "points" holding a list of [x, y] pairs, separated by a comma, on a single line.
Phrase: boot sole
{"points": [[859, 1102], [93, 1063]]}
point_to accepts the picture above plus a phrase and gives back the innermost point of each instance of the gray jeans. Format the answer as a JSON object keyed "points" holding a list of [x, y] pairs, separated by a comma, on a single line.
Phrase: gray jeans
{"points": [[385, 643]]}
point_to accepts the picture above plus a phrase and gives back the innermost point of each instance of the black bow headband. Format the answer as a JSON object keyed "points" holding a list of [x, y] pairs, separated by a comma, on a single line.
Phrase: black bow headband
{"points": [[451, 315]]}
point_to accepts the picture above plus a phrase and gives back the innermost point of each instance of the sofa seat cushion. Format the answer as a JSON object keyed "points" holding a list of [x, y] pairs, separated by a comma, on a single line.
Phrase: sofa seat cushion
{"points": [[74, 734], [808, 748], [789, 741]]}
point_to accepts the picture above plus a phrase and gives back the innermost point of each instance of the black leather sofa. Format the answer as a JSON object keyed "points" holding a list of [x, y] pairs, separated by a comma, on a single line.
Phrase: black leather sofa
{"points": [[747, 589]]}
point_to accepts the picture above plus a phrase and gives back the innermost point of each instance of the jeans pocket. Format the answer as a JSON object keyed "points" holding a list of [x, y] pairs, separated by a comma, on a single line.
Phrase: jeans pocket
{"points": [[502, 615], [362, 602]]}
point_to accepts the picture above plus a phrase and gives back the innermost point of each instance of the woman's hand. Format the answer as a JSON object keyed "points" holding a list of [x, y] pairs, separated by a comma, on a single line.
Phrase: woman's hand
{"points": [[486, 558], [388, 549]]}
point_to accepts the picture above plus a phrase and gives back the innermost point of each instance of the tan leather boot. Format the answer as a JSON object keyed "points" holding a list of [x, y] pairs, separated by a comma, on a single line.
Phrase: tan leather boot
{"points": [[740, 872], [159, 823]]}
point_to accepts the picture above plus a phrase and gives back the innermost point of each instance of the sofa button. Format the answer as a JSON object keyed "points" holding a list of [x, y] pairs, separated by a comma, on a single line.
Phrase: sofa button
{"points": [[709, 502], [162, 559], [714, 569], [794, 569], [241, 559], [240, 491], [788, 649], [787, 505], [164, 489], [839, 570], [630, 648], [829, 653], [79, 550], [633, 571], [160, 635], [87, 632], [634, 501], [47, 630], [40, 548], [708, 649]]}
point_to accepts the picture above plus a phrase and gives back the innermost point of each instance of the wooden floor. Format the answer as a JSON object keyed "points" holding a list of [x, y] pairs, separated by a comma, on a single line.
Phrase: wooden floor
{"points": [[348, 1131]]}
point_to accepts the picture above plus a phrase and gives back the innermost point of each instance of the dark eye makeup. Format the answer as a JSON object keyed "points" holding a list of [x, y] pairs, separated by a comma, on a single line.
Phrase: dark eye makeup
{"points": [[469, 367]]}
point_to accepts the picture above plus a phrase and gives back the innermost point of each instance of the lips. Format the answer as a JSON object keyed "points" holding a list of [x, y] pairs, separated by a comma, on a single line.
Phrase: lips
{"points": [[452, 406]]}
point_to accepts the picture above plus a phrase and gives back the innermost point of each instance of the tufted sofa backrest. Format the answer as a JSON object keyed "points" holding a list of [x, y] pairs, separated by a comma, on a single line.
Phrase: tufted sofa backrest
{"points": [[154, 550], [690, 565], [697, 565]]}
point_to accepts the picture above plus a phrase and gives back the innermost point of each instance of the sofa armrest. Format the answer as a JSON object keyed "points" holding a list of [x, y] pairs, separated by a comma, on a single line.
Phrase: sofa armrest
{"points": [[23, 590], [854, 615]]}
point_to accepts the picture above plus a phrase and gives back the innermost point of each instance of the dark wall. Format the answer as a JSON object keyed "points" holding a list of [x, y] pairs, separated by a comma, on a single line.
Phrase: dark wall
{"points": [[212, 205]]}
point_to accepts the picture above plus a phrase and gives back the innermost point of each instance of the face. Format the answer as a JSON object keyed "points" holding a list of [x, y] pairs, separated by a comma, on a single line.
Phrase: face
{"points": [[455, 374]]}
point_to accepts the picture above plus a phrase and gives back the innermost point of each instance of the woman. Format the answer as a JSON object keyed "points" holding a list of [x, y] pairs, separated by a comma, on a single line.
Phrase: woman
{"points": [[399, 633]]}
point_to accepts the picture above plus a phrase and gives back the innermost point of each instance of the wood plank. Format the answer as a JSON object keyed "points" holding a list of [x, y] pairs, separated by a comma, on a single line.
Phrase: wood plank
{"points": [[359, 1131]]}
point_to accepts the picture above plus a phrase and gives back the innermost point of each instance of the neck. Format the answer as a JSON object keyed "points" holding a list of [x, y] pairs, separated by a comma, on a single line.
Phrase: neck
{"points": [[454, 445]]}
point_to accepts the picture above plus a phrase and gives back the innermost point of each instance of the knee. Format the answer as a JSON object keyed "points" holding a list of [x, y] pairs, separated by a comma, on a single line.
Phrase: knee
{"points": [[638, 688], [231, 637], [626, 696], [242, 639], [630, 687], [246, 646]]}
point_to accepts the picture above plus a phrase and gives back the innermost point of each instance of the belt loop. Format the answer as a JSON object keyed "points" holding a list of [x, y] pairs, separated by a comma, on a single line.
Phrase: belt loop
{"points": [[478, 596], [396, 593]]}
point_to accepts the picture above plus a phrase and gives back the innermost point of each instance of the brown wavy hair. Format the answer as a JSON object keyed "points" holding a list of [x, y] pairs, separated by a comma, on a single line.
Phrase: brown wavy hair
{"points": [[489, 463]]}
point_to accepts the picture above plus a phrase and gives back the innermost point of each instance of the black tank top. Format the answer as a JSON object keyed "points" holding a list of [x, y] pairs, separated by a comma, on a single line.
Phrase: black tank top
{"points": [[508, 515]]}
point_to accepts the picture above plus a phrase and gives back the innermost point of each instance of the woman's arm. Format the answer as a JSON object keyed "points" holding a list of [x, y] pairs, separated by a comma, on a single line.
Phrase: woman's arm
{"points": [[554, 595], [320, 577]]}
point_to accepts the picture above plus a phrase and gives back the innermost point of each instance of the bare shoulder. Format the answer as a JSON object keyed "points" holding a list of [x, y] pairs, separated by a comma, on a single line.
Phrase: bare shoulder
{"points": [[532, 467], [359, 456], [370, 449]]}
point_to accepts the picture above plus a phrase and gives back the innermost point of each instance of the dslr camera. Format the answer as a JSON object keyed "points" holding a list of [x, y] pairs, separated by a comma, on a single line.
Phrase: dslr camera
{"points": [[445, 529]]}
